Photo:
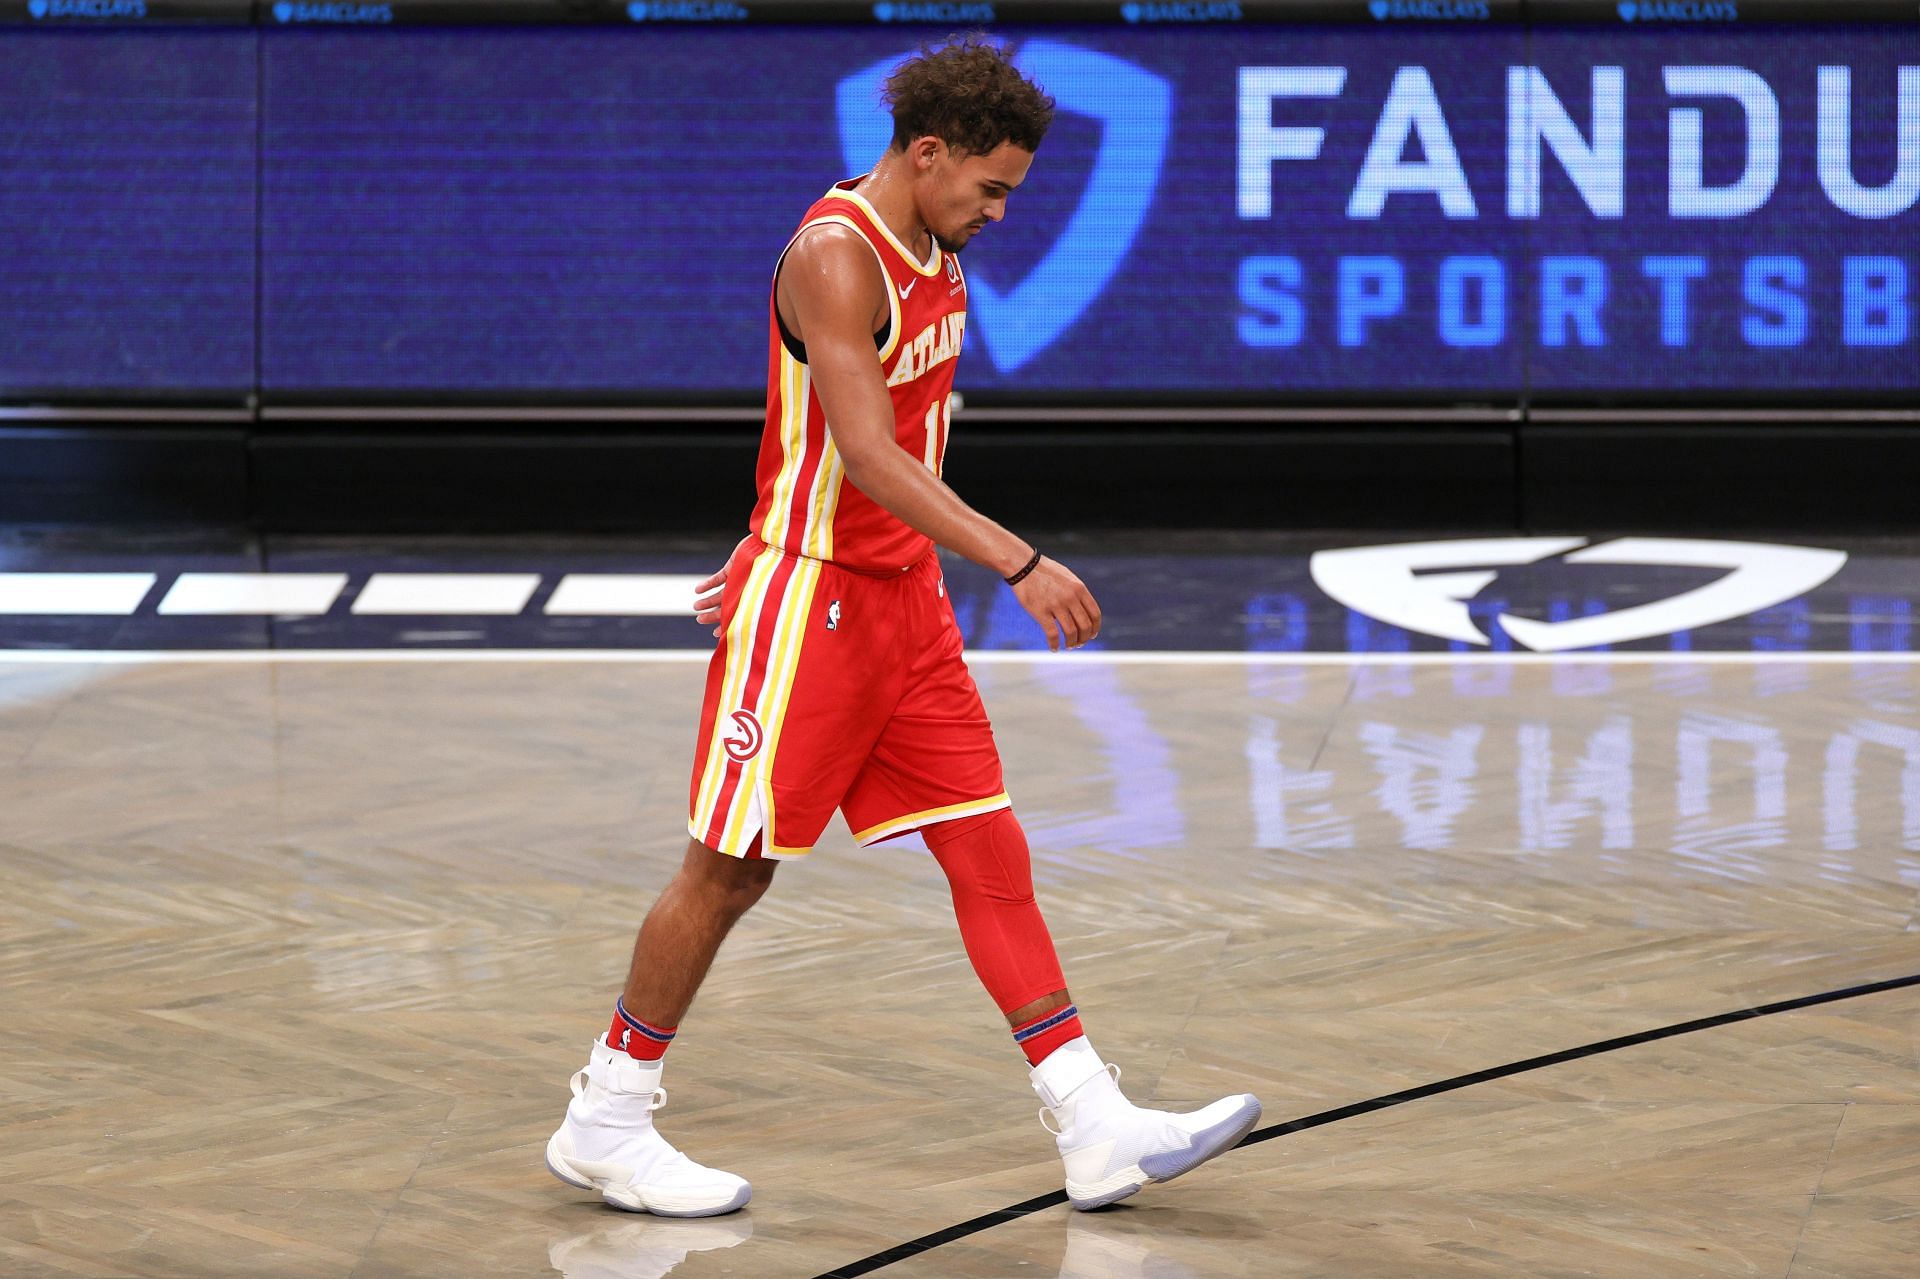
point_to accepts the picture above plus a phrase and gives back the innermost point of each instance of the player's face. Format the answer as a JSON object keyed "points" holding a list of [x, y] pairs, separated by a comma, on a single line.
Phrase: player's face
{"points": [[967, 191]]}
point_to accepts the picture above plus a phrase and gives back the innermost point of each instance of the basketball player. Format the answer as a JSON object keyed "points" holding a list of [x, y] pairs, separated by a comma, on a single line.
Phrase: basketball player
{"points": [[838, 682]]}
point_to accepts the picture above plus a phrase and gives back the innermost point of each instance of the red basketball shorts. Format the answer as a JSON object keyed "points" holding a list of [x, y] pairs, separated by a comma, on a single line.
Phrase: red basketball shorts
{"points": [[832, 689]]}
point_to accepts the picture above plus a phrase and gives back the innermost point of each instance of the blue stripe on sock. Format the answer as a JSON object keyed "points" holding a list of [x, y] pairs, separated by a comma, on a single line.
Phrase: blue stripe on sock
{"points": [[1027, 1032], [634, 1023]]}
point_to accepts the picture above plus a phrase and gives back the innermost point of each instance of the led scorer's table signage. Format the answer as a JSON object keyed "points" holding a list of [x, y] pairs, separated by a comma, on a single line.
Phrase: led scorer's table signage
{"points": [[1257, 211], [1678, 233]]}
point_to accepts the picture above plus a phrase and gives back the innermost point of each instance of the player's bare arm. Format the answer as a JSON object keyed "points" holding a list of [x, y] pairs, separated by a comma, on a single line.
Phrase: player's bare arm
{"points": [[831, 295]]}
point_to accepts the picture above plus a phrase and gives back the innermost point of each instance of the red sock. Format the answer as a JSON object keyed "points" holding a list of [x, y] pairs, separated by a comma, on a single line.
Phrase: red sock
{"points": [[991, 875], [636, 1038], [1047, 1032]]}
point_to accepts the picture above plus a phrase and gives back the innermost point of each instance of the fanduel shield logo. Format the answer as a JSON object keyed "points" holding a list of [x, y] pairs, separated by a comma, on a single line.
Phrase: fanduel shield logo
{"points": [[1380, 582], [1135, 110]]}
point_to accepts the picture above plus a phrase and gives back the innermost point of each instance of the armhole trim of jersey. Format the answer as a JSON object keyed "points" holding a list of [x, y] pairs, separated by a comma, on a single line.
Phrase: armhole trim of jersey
{"points": [[883, 341]]}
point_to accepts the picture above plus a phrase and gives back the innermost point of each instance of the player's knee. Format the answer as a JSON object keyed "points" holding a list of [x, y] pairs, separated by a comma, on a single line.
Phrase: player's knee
{"points": [[731, 884], [744, 892], [985, 857], [988, 881], [967, 884]]}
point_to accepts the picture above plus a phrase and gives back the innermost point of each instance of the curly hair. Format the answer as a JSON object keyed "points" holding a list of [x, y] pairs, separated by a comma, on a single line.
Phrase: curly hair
{"points": [[967, 93]]}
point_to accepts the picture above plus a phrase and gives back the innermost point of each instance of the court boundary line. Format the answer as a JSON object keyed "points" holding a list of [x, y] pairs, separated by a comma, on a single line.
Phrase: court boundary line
{"points": [[1027, 1207], [979, 657]]}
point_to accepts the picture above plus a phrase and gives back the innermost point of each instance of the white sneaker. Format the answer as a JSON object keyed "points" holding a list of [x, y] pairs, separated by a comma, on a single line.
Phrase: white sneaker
{"points": [[1113, 1147], [607, 1143]]}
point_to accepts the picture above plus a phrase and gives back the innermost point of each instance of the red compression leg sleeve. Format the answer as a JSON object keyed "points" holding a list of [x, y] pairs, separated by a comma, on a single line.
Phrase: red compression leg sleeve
{"points": [[991, 875]]}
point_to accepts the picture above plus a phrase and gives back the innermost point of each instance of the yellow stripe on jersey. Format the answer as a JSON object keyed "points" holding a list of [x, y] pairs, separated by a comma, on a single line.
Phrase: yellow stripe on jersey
{"points": [[893, 314], [742, 634], [793, 447], [796, 384], [824, 505], [776, 691]]}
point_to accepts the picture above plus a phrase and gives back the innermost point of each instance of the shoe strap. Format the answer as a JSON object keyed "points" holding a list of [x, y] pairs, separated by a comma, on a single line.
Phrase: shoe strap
{"points": [[1066, 1070], [1107, 1068], [1047, 1113], [619, 1073], [580, 1081]]}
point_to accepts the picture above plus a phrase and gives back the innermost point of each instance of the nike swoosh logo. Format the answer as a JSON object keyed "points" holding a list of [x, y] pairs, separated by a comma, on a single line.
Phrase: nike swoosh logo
{"points": [[906, 289]]}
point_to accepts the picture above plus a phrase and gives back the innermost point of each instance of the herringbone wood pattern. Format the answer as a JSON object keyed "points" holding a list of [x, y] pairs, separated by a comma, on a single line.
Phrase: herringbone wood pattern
{"points": [[295, 961]]}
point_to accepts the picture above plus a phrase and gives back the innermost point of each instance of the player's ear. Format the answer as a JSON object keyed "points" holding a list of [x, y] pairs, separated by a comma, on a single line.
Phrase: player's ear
{"points": [[925, 151]]}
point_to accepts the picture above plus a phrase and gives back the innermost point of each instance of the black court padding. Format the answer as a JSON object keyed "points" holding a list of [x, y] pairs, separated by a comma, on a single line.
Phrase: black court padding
{"points": [[136, 474], [1238, 477], [1819, 477], [1023, 475], [1385, 474], [526, 480]]}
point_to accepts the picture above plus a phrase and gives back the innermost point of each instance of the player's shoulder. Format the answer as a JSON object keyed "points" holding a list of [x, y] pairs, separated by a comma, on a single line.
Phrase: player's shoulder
{"points": [[829, 238], [832, 254]]}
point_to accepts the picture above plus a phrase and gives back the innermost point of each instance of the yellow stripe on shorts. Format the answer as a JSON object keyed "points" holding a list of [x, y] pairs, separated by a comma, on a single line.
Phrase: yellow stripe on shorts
{"points": [[776, 691], [926, 817], [742, 634]]}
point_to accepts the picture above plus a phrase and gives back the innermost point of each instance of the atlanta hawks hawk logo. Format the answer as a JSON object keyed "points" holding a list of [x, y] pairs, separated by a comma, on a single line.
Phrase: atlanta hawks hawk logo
{"points": [[746, 744]]}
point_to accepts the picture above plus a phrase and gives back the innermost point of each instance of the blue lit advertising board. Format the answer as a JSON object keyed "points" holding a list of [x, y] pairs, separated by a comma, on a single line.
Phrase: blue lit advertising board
{"points": [[1263, 211], [127, 189]]}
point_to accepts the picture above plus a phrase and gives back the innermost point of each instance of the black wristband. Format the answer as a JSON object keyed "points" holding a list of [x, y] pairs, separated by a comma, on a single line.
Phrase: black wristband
{"points": [[1021, 576]]}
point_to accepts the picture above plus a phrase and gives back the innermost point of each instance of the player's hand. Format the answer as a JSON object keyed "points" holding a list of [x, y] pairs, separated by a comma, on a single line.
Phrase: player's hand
{"points": [[1061, 603], [707, 594]]}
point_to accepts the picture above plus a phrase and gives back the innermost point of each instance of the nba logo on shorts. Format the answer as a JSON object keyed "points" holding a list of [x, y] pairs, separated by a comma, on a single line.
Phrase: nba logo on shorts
{"points": [[746, 744], [833, 616]]}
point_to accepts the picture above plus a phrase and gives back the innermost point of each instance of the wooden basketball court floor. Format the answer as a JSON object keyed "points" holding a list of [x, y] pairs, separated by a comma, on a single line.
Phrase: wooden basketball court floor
{"points": [[296, 958]]}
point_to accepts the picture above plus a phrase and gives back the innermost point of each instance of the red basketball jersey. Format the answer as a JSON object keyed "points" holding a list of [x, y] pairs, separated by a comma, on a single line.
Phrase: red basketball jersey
{"points": [[805, 504]]}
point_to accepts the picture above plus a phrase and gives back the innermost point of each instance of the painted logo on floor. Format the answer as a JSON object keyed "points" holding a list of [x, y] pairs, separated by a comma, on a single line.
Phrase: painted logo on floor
{"points": [[1403, 586]]}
